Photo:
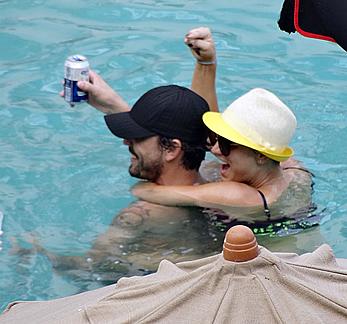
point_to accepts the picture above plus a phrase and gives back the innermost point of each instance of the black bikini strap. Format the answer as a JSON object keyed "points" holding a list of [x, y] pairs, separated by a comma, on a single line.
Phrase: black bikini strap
{"points": [[266, 207]]}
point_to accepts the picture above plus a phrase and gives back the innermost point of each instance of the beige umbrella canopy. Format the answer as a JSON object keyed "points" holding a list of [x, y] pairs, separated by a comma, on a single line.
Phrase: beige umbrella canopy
{"points": [[256, 286]]}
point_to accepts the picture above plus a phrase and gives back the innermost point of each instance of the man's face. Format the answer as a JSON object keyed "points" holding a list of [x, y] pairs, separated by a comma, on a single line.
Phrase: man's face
{"points": [[146, 158]]}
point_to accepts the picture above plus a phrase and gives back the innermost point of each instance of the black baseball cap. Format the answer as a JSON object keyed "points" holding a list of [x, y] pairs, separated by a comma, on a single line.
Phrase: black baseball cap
{"points": [[323, 19], [171, 111]]}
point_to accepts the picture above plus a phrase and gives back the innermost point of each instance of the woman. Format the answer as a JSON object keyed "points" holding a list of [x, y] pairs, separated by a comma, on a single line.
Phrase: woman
{"points": [[260, 184], [252, 137]]}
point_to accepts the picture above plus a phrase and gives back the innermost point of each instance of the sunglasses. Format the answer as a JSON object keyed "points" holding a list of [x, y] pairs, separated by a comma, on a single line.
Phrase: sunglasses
{"points": [[225, 146]]}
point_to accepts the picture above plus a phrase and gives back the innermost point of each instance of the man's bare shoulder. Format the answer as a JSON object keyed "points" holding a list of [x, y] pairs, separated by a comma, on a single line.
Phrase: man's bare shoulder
{"points": [[141, 211], [131, 216], [210, 171]]}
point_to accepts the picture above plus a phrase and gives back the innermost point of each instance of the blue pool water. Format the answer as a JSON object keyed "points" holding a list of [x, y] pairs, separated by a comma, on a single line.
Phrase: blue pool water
{"points": [[63, 176]]}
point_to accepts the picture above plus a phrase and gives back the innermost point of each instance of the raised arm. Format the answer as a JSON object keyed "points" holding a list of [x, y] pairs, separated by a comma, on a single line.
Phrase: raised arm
{"points": [[102, 96], [202, 46]]}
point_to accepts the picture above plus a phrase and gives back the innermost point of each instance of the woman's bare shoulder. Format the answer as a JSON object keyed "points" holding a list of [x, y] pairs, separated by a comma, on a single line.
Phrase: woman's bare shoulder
{"points": [[292, 163], [299, 172]]}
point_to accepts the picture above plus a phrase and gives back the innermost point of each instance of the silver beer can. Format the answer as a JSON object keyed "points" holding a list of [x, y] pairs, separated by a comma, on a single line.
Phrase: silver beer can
{"points": [[76, 69]]}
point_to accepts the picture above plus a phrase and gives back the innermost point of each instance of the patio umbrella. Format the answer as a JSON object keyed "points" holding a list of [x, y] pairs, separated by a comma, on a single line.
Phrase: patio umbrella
{"points": [[323, 19], [244, 284]]}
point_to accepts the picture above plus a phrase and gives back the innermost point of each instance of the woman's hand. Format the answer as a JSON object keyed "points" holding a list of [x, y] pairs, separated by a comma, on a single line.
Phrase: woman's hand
{"points": [[202, 45]]}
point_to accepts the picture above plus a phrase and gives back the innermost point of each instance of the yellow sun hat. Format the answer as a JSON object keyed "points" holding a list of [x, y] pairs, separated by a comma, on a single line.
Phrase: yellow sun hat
{"points": [[259, 120]]}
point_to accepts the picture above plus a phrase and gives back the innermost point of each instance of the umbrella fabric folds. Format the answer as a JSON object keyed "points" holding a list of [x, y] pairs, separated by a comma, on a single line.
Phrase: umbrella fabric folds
{"points": [[270, 288]]}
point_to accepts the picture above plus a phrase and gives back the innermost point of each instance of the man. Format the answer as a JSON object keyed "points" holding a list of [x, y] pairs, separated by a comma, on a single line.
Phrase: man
{"points": [[167, 143]]}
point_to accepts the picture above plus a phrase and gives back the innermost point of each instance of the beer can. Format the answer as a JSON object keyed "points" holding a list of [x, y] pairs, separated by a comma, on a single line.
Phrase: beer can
{"points": [[76, 69]]}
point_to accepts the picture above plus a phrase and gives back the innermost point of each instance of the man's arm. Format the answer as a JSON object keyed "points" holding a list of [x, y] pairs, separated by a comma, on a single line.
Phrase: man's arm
{"points": [[102, 96], [142, 234], [203, 49]]}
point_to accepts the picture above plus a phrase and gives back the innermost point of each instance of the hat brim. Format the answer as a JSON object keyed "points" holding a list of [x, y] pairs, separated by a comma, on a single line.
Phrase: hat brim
{"points": [[215, 122], [123, 126]]}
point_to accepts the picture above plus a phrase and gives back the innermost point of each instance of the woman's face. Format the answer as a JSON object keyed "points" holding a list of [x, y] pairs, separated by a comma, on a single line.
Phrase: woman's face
{"points": [[239, 162]]}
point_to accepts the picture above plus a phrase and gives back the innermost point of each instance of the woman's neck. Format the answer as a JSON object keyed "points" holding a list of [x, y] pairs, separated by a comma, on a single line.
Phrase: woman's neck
{"points": [[268, 176]]}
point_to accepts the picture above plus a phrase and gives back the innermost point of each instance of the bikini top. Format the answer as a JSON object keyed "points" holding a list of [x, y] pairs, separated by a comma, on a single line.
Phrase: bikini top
{"points": [[266, 206]]}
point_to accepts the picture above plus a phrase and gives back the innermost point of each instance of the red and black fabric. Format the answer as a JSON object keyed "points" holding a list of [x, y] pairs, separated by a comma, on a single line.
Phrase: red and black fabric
{"points": [[321, 19]]}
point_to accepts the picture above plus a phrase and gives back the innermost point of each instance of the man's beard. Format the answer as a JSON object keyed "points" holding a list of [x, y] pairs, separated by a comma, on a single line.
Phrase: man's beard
{"points": [[145, 169]]}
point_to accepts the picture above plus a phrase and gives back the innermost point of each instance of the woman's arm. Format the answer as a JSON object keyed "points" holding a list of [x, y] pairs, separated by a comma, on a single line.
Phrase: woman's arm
{"points": [[206, 195], [202, 46]]}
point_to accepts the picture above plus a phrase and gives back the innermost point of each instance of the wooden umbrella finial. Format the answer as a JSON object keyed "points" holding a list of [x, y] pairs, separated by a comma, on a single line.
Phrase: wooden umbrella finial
{"points": [[240, 244]]}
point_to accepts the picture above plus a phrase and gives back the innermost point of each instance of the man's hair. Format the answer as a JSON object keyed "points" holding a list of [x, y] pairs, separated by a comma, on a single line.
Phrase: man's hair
{"points": [[192, 155]]}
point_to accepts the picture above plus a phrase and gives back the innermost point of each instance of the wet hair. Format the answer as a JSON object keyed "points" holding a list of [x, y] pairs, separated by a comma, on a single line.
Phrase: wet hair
{"points": [[193, 155]]}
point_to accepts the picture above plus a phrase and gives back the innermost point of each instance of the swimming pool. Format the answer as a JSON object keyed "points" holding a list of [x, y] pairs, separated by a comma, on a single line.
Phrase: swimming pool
{"points": [[64, 176]]}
